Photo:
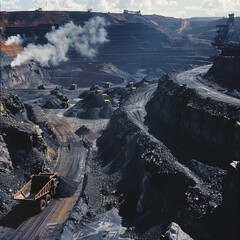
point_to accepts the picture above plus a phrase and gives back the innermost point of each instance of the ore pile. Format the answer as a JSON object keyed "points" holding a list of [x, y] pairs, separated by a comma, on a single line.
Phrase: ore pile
{"points": [[67, 187], [54, 100], [92, 106]]}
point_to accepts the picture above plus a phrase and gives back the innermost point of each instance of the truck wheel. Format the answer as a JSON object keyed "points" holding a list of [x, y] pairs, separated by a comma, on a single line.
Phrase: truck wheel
{"points": [[54, 192], [42, 205], [48, 198]]}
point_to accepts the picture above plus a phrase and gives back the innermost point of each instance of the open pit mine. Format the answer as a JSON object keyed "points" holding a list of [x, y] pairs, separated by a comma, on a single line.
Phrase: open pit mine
{"points": [[119, 126]]}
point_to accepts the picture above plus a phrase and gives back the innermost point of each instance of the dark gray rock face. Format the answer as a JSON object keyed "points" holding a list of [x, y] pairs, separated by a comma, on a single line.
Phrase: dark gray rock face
{"points": [[230, 217], [21, 139], [225, 71], [10, 183], [156, 188], [23, 149], [231, 195], [24, 76], [202, 127], [12, 103]]}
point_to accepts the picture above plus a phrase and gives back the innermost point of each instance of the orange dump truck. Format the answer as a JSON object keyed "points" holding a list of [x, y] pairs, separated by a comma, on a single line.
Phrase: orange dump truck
{"points": [[39, 189]]}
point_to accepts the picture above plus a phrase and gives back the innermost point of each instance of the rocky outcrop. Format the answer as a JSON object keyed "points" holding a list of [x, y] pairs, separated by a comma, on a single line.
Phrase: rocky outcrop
{"points": [[225, 71], [156, 188], [11, 103], [22, 149], [231, 199], [19, 135], [175, 232], [26, 75], [203, 128]]}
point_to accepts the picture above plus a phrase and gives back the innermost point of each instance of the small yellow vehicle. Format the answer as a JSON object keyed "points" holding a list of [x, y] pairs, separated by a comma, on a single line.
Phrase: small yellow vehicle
{"points": [[39, 190], [98, 91], [130, 84], [133, 88], [107, 100]]}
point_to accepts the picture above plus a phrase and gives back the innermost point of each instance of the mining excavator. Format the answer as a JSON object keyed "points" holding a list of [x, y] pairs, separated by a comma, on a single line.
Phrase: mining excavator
{"points": [[94, 87], [227, 38], [73, 87], [64, 99], [65, 102], [39, 190], [55, 91], [107, 85]]}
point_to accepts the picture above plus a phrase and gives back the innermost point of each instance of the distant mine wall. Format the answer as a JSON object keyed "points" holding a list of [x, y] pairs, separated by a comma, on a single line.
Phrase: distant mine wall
{"points": [[203, 128], [225, 71], [132, 45]]}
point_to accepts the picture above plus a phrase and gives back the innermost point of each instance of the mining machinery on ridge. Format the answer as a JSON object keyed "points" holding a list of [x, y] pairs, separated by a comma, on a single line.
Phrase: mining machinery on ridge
{"points": [[227, 39]]}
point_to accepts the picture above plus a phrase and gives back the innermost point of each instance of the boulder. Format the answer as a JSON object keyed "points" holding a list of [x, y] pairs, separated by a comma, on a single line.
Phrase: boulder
{"points": [[175, 232]]}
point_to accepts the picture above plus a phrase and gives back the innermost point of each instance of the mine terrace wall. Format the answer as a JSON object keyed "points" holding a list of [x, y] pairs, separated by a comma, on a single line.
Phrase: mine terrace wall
{"points": [[225, 71], [156, 183], [156, 188], [203, 128]]}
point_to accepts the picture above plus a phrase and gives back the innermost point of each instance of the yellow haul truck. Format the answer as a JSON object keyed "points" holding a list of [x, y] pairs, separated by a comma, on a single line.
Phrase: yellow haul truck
{"points": [[39, 189]]}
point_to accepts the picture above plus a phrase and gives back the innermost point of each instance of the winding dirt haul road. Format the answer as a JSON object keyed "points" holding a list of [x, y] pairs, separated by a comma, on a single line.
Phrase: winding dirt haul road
{"points": [[21, 223]]}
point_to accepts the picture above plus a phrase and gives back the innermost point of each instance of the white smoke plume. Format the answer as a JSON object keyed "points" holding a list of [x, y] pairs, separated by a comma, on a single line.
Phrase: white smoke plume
{"points": [[84, 39], [14, 39]]}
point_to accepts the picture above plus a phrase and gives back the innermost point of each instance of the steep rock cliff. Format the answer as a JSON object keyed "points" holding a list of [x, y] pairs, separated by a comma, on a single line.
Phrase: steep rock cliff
{"points": [[225, 71], [154, 186], [27, 75], [22, 146], [203, 128]]}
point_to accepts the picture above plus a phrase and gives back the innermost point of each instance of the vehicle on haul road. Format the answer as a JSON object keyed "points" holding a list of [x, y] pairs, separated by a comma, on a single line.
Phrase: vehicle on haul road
{"points": [[39, 190]]}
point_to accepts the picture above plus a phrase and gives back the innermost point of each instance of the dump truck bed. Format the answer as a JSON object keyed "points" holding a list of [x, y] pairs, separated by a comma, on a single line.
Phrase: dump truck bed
{"points": [[37, 187]]}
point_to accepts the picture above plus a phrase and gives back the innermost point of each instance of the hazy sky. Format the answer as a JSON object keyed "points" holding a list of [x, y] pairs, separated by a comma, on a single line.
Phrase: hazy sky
{"points": [[175, 8]]}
